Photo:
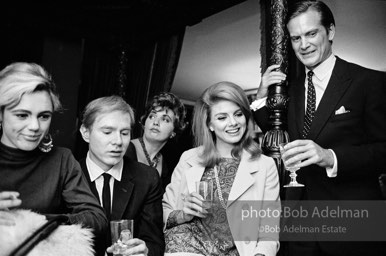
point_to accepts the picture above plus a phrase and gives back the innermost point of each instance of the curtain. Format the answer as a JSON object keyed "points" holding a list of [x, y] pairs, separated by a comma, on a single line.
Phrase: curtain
{"points": [[151, 71], [133, 69]]}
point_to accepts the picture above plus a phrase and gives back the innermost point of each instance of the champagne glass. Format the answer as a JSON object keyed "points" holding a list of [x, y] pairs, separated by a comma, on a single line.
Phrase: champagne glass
{"points": [[205, 189], [291, 168]]}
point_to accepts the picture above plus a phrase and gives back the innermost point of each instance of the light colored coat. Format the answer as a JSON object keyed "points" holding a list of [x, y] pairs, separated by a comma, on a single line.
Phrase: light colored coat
{"points": [[256, 180]]}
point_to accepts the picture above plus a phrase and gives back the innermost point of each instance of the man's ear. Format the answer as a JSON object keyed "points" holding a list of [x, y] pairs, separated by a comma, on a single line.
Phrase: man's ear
{"points": [[331, 32], [85, 133]]}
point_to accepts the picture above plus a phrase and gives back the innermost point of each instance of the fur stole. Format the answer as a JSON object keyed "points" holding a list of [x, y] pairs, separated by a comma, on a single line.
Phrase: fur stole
{"points": [[64, 241]]}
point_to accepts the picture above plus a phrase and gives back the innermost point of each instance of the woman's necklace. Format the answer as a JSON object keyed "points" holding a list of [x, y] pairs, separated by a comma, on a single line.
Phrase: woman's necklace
{"points": [[219, 188], [152, 163]]}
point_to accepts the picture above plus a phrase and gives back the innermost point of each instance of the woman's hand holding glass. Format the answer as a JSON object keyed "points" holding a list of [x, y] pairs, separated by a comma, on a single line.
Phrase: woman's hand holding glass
{"points": [[8, 199], [193, 206]]}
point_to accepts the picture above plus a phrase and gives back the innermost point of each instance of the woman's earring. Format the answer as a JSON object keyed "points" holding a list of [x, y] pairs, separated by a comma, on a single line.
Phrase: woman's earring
{"points": [[172, 135], [46, 144]]}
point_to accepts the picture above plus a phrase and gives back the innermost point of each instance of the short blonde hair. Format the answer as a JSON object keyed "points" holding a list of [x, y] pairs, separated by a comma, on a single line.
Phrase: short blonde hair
{"points": [[21, 78], [103, 105]]}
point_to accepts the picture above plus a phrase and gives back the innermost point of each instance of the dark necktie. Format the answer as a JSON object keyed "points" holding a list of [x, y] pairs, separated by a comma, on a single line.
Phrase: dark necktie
{"points": [[106, 194], [311, 105]]}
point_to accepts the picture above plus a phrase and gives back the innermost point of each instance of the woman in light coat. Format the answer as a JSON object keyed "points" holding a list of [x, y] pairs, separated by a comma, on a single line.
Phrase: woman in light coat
{"points": [[243, 180]]}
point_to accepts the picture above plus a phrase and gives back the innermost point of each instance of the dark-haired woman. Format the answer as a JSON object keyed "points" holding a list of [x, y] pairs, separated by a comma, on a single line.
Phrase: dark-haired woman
{"points": [[164, 118]]}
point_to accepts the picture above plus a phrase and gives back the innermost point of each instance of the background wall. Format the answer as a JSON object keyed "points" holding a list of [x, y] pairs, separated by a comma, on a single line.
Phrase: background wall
{"points": [[360, 31], [226, 46]]}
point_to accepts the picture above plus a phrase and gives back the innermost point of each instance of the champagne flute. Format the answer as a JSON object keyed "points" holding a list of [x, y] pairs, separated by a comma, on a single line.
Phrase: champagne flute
{"points": [[291, 168]]}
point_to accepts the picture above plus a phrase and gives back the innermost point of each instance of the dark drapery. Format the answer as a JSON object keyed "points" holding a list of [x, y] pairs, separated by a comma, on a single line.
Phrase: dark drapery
{"points": [[151, 71], [134, 70]]}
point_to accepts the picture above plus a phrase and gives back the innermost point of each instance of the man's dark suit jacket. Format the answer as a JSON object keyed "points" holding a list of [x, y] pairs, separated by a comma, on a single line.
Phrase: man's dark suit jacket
{"points": [[137, 196], [357, 137]]}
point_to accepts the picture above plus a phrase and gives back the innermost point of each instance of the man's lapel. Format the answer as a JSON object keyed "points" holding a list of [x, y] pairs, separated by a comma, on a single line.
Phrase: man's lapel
{"points": [[87, 175], [122, 192], [336, 88]]}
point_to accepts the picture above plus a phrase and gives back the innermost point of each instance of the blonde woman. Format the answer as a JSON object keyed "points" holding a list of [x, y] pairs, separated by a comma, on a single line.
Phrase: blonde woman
{"points": [[226, 154], [34, 173]]}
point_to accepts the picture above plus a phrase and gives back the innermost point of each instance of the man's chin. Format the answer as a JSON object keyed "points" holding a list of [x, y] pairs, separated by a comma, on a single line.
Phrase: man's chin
{"points": [[114, 160], [310, 62]]}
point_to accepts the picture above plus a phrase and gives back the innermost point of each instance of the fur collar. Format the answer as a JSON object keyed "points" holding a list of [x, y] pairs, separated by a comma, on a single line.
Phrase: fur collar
{"points": [[65, 240]]}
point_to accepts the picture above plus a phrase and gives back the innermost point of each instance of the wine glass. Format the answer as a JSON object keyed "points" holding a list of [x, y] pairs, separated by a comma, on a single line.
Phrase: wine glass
{"points": [[291, 168]]}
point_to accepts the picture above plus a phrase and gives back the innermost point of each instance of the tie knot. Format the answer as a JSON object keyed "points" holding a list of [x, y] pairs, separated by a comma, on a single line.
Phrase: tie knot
{"points": [[106, 177], [310, 74]]}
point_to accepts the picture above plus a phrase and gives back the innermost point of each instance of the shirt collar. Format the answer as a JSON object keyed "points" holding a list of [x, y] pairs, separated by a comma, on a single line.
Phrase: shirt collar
{"points": [[95, 171], [325, 68]]}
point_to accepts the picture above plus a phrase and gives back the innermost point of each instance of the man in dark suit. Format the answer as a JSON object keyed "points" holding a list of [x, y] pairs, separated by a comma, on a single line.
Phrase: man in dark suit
{"points": [[336, 122], [125, 188]]}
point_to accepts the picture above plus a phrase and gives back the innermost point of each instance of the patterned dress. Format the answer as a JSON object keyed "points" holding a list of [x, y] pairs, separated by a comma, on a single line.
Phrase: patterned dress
{"points": [[210, 235]]}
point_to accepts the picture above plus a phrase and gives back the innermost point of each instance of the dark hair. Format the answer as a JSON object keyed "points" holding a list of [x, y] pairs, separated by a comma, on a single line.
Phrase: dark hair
{"points": [[170, 101], [105, 105], [202, 110], [326, 16]]}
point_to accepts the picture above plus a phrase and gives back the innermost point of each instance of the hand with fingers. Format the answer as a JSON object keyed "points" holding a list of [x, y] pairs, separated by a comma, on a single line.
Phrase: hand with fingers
{"points": [[270, 76], [193, 206], [8, 199], [308, 152], [133, 246]]}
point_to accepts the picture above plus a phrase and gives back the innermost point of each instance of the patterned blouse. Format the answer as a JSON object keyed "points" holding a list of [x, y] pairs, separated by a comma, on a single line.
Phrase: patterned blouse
{"points": [[210, 235]]}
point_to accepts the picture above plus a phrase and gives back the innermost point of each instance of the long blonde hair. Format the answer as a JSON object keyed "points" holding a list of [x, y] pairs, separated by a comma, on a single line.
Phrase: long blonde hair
{"points": [[202, 110]]}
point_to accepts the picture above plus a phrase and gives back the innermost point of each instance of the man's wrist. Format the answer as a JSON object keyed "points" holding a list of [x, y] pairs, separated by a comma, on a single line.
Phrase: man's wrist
{"points": [[257, 104], [330, 161]]}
